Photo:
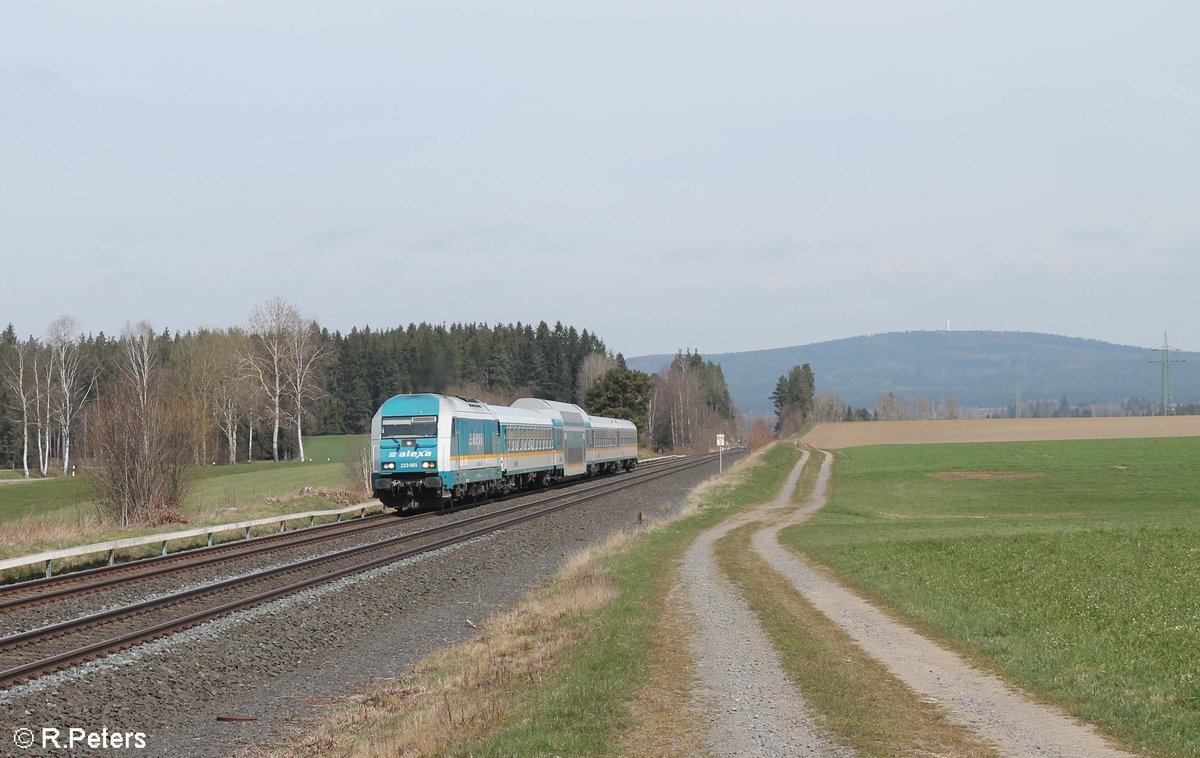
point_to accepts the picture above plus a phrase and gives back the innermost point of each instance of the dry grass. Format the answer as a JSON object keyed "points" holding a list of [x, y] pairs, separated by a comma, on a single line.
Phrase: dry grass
{"points": [[336, 497], [846, 434], [466, 691], [31, 534], [733, 477], [667, 720], [54, 528]]}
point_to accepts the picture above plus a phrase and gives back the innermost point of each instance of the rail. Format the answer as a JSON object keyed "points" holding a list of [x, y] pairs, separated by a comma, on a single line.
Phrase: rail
{"points": [[111, 547], [76, 640], [48, 557]]}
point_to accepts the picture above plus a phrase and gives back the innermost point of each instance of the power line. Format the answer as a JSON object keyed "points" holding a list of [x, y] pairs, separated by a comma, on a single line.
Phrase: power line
{"points": [[1166, 360]]}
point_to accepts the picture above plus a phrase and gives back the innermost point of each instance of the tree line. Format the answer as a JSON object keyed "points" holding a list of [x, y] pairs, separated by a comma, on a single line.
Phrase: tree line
{"points": [[134, 412], [493, 363], [251, 392], [795, 404]]}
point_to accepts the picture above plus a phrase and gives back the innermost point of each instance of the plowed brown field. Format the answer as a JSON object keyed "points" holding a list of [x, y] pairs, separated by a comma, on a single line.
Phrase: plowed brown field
{"points": [[838, 435]]}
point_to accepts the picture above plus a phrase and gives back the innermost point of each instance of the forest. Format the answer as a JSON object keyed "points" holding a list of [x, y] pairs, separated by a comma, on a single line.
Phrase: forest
{"points": [[252, 392]]}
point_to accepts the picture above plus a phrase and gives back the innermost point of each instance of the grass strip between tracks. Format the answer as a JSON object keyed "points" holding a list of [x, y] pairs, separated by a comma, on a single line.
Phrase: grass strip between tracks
{"points": [[1071, 568], [560, 672]]}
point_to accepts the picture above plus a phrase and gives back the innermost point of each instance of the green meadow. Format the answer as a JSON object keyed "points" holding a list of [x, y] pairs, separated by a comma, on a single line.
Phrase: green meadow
{"points": [[1071, 568], [59, 511]]}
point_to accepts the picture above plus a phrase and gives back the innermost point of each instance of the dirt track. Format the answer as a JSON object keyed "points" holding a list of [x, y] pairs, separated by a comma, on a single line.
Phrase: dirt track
{"points": [[839, 435], [753, 707], [1002, 715]]}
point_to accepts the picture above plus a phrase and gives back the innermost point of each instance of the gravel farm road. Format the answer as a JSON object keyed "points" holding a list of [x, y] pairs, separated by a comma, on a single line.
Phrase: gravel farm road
{"points": [[1008, 719]]}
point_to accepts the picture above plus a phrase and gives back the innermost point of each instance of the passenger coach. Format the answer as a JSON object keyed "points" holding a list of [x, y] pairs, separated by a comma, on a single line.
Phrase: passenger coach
{"points": [[430, 450]]}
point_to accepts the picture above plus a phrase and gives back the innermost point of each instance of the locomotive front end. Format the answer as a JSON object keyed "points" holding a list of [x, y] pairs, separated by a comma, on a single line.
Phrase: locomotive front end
{"points": [[404, 451]]}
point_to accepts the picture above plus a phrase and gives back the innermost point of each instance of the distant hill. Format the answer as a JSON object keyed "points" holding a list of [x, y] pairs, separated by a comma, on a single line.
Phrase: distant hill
{"points": [[981, 369]]}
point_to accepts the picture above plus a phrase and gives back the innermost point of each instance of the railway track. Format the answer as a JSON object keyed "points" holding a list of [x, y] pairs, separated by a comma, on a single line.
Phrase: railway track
{"points": [[75, 584], [66, 586], [32, 653]]}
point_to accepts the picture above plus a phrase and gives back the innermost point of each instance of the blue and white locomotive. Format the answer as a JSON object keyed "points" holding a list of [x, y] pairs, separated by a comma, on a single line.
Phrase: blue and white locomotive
{"points": [[430, 450]]}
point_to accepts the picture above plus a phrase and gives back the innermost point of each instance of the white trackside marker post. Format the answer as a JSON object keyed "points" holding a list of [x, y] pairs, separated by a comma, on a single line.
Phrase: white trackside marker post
{"points": [[720, 453]]}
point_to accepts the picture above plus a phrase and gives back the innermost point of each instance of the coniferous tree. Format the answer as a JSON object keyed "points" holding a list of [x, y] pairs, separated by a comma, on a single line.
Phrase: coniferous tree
{"points": [[793, 398], [620, 393]]}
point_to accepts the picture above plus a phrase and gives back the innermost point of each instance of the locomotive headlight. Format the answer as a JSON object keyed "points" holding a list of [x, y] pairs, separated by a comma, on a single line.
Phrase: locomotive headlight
{"points": [[428, 464], [389, 466]]}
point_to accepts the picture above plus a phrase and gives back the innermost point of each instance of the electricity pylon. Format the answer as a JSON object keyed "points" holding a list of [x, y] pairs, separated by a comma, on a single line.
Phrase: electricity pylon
{"points": [[1166, 360]]}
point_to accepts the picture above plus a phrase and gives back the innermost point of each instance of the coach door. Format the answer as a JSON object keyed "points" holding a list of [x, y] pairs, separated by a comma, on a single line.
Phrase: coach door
{"points": [[575, 443]]}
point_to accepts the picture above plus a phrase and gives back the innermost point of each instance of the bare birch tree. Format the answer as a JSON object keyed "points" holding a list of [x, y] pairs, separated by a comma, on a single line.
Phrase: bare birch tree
{"points": [[828, 407], [951, 406], [307, 353], [591, 368], [18, 377], [272, 328], [678, 416], [891, 407], [653, 411], [139, 363], [923, 409], [227, 407], [231, 397], [75, 380], [43, 403]]}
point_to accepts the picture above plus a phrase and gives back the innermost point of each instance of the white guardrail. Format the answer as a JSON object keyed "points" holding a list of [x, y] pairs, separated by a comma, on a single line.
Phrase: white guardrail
{"points": [[49, 556]]}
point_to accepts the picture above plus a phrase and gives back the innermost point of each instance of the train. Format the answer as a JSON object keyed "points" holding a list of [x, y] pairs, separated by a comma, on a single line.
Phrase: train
{"points": [[431, 450]]}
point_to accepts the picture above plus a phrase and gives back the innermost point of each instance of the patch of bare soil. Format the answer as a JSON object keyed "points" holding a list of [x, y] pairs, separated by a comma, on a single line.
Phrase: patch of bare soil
{"points": [[988, 474], [851, 434]]}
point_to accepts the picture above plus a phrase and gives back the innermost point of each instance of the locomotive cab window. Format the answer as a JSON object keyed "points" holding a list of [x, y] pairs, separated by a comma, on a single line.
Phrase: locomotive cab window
{"points": [[409, 426]]}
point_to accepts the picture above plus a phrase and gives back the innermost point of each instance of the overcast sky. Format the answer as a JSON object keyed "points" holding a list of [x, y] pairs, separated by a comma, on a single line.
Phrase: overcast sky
{"points": [[726, 176]]}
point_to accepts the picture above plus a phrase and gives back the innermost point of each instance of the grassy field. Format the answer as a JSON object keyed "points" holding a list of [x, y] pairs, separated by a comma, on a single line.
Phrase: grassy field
{"points": [[335, 448], [1072, 568], [56, 512]]}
